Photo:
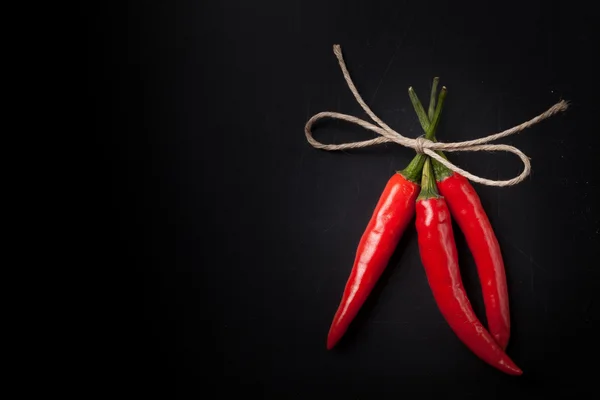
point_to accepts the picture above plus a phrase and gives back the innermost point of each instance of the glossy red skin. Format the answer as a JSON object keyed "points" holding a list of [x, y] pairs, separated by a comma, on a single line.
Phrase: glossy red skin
{"points": [[440, 259], [467, 211], [395, 209]]}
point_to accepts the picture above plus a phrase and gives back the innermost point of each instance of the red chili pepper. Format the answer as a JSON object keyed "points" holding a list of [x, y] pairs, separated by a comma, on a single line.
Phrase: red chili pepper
{"points": [[395, 209], [393, 212], [439, 257], [467, 211]]}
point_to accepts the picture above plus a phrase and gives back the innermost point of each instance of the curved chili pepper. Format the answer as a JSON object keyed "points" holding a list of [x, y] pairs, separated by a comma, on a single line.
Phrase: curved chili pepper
{"points": [[393, 212], [395, 209], [466, 209], [440, 259]]}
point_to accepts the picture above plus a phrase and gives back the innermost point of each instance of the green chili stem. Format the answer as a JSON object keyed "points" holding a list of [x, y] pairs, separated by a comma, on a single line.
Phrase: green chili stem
{"points": [[434, 86], [413, 171], [419, 109], [428, 187], [430, 125]]}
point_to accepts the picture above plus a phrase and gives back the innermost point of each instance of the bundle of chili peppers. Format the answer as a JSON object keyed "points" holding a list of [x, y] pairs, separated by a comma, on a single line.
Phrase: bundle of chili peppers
{"points": [[435, 194]]}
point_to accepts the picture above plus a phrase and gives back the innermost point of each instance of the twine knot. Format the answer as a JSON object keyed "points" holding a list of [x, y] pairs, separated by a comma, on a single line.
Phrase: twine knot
{"points": [[422, 145]]}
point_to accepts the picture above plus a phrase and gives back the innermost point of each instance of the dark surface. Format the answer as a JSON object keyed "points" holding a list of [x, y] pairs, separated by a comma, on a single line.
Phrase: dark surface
{"points": [[235, 237]]}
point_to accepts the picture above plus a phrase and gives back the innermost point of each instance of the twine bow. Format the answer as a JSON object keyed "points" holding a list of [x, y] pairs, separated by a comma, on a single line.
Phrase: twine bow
{"points": [[422, 145]]}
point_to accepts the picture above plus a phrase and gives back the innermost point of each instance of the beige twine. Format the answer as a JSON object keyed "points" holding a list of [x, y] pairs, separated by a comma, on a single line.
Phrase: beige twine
{"points": [[422, 145]]}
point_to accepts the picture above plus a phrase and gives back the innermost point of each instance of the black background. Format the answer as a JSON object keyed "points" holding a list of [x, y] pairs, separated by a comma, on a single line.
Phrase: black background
{"points": [[233, 237]]}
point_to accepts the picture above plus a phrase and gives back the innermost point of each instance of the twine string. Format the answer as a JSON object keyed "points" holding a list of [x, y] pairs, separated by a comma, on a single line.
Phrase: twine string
{"points": [[422, 145]]}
